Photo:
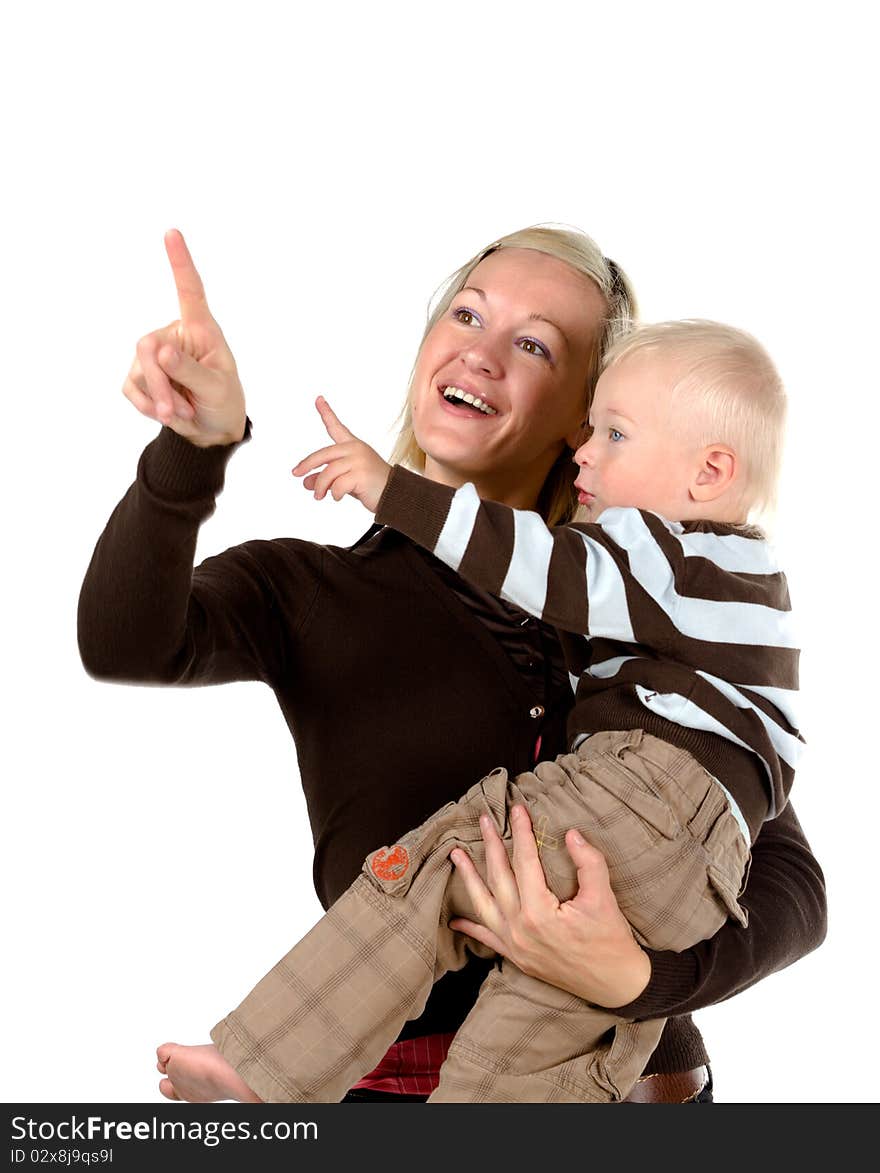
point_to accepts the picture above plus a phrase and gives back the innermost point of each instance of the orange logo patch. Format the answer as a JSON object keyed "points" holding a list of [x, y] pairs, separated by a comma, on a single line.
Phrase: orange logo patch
{"points": [[390, 863]]}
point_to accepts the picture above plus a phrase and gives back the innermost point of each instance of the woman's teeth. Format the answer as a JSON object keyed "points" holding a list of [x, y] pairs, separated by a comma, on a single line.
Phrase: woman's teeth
{"points": [[456, 394]]}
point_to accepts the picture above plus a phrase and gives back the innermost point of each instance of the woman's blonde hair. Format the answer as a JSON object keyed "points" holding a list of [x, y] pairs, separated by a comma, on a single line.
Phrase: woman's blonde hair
{"points": [[558, 499], [726, 391]]}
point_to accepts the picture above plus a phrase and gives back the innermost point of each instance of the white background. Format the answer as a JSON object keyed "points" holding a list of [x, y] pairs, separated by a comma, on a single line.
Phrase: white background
{"points": [[329, 169]]}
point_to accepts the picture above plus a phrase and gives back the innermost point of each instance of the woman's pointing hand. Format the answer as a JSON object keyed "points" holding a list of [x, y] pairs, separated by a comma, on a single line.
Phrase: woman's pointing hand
{"points": [[184, 374]]}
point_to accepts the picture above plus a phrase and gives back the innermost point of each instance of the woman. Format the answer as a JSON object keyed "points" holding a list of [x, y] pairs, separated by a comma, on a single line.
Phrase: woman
{"points": [[529, 319]]}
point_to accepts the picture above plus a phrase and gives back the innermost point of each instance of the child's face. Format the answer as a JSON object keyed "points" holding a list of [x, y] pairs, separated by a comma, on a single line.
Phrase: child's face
{"points": [[636, 456]]}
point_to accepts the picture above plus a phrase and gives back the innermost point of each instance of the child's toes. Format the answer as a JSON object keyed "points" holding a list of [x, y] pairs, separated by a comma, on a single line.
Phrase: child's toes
{"points": [[163, 1054]]}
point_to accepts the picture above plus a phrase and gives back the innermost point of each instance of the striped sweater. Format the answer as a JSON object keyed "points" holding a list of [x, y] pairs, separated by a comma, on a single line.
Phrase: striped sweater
{"points": [[681, 629]]}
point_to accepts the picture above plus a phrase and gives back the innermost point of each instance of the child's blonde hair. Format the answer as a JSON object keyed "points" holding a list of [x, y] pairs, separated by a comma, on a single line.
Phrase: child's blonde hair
{"points": [[728, 390], [558, 499]]}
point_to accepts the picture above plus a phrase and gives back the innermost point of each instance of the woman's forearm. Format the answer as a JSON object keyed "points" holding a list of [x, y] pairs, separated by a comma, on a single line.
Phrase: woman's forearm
{"points": [[144, 616], [785, 898]]}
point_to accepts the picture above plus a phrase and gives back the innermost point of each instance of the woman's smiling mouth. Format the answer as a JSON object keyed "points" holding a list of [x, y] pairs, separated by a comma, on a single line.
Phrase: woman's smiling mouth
{"points": [[458, 397]]}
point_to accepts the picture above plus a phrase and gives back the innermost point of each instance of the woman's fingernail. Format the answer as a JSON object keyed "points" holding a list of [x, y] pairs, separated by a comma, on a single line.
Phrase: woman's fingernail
{"points": [[455, 856], [485, 821], [517, 812], [578, 838], [171, 358]]}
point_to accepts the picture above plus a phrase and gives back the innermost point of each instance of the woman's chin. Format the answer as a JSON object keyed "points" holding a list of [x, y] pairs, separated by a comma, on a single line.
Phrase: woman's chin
{"points": [[460, 457], [447, 470]]}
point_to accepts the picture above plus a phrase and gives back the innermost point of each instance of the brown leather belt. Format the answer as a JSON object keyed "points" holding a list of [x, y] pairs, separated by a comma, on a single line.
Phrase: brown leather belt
{"points": [[669, 1087]]}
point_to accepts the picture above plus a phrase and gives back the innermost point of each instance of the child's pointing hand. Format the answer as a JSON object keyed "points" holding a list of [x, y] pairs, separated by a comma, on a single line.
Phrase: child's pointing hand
{"points": [[352, 466]]}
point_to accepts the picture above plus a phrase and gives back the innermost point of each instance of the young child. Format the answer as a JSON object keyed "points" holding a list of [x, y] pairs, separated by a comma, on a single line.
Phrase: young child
{"points": [[675, 622]]}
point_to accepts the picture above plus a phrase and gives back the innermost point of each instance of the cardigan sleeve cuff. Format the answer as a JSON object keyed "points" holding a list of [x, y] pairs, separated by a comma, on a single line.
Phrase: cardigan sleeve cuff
{"points": [[415, 506], [673, 979], [174, 469]]}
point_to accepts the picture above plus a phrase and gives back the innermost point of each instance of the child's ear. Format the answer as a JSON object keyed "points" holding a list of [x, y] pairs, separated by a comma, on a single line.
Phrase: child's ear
{"points": [[715, 473]]}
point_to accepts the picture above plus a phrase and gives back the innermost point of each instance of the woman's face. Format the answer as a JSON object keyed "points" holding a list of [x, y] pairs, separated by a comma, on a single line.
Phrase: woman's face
{"points": [[517, 339]]}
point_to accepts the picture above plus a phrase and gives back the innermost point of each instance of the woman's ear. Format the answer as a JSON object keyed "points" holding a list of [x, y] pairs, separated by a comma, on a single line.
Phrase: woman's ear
{"points": [[716, 471]]}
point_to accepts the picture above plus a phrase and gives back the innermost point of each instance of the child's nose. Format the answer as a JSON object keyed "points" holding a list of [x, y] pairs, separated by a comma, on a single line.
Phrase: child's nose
{"points": [[584, 454]]}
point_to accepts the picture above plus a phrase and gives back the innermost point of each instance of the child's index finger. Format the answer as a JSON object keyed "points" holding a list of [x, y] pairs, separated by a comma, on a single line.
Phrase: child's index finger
{"points": [[190, 290], [336, 429]]}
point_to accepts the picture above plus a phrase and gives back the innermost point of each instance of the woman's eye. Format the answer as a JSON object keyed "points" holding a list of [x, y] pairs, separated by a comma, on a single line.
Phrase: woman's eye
{"points": [[614, 435], [532, 346], [465, 316]]}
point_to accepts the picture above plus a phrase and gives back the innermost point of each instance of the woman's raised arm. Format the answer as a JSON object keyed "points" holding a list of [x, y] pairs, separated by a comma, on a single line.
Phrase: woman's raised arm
{"points": [[144, 615]]}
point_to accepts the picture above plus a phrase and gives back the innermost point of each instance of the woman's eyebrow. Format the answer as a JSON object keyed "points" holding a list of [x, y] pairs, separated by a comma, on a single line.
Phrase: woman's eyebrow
{"points": [[549, 321]]}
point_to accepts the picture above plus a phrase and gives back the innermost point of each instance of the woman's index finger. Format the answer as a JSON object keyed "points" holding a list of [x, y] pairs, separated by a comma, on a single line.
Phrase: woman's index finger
{"points": [[527, 866], [190, 290]]}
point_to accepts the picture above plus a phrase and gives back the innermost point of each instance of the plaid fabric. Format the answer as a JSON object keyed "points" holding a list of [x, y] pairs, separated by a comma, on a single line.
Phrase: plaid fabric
{"points": [[329, 1010]]}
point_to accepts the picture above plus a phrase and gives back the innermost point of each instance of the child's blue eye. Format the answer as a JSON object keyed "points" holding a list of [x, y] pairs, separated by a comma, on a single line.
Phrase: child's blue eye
{"points": [[614, 435]]}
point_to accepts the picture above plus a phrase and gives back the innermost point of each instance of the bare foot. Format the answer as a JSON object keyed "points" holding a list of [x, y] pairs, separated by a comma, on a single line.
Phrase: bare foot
{"points": [[200, 1075]]}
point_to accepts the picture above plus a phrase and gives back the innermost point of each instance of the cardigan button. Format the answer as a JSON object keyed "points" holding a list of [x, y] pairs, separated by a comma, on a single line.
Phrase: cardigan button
{"points": [[536, 711]]}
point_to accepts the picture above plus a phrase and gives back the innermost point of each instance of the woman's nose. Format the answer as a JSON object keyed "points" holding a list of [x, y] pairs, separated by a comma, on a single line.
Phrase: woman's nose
{"points": [[483, 356]]}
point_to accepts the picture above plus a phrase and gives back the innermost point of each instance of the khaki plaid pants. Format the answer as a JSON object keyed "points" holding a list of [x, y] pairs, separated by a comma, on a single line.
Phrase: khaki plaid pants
{"points": [[327, 1012]]}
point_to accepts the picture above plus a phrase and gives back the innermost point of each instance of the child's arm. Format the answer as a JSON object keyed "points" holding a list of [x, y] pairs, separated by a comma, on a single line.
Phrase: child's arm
{"points": [[568, 577], [352, 467], [508, 552]]}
